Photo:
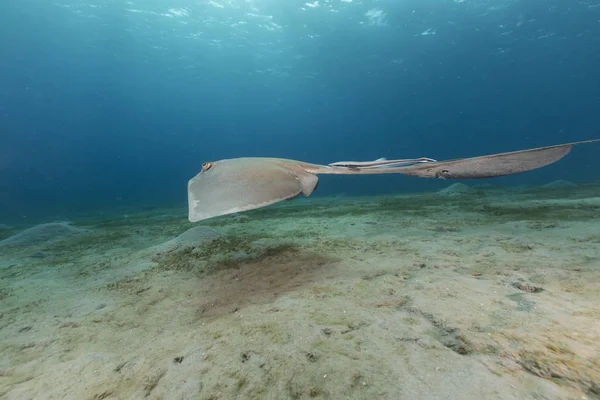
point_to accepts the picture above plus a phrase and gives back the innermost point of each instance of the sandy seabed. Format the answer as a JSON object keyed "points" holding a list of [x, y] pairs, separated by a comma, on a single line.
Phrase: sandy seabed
{"points": [[471, 294]]}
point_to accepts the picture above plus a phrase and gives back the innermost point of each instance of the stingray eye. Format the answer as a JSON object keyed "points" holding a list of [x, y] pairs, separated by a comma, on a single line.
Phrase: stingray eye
{"points": [[206, 166]]}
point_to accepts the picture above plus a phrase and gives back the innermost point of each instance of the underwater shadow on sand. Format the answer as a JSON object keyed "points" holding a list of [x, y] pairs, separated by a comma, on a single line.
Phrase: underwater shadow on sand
{"points": [[261, 281], [234, 271]]}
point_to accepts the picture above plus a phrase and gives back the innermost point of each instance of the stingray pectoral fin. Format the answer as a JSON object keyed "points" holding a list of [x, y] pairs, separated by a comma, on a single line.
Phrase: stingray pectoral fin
{"points": [[309, 182], [243, 184], [492, 165]]}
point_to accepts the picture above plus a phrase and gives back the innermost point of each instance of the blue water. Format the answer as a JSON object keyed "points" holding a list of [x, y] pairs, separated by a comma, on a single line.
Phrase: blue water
{"points": [[107, 104]]}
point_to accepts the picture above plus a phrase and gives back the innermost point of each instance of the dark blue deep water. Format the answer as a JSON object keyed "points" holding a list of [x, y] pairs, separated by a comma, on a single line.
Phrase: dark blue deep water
{"points": [[107, 104]]}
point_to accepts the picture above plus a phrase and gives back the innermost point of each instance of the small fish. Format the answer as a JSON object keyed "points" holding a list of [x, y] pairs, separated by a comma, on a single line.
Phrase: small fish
{"points": [[381, 163]]}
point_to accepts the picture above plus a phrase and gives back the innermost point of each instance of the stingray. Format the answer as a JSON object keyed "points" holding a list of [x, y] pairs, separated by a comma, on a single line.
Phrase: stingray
{"points": [[242, 184]]}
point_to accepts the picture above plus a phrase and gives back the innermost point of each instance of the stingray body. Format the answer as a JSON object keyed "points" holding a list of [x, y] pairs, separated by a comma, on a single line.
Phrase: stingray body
{"points": [[242, 184]]}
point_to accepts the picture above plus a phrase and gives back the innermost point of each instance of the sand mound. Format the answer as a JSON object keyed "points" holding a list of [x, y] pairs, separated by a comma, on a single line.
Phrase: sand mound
{"points": [[42, 234], [560, 184], [4, 227], [455, 189], [194, 237]]}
